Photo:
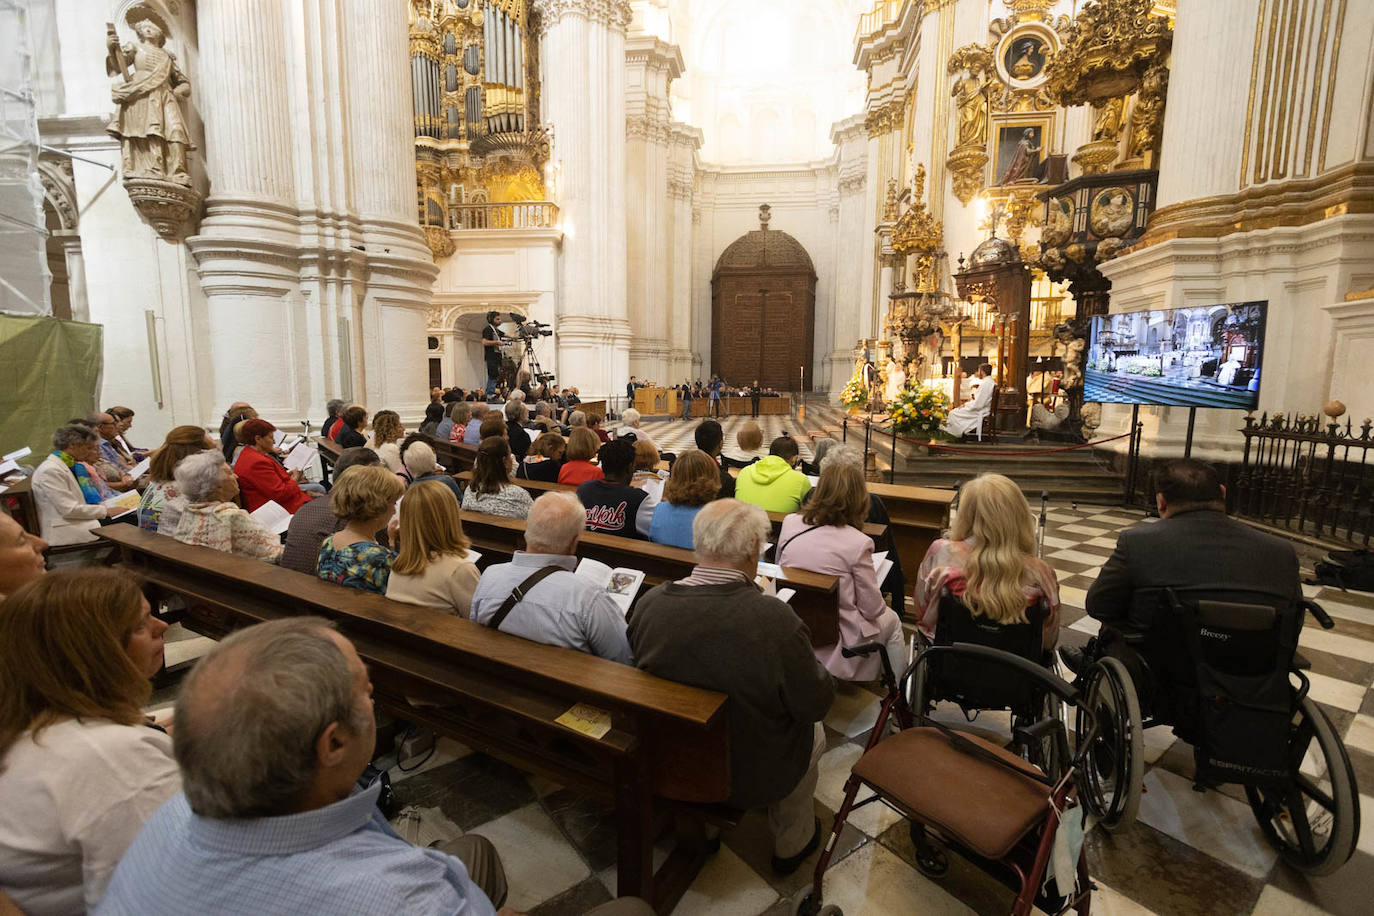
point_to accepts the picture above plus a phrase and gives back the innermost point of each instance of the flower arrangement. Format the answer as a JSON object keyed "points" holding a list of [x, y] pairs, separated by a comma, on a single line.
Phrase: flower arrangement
{"points": [[919, 409], [854, 393]]}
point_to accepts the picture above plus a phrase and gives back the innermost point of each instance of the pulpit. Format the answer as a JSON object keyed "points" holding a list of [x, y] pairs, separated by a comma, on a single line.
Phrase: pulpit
{"points": [[656, 402]]}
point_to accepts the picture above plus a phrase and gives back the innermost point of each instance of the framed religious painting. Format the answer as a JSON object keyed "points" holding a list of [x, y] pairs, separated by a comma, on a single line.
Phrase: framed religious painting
{"points": [[1020, 149]]}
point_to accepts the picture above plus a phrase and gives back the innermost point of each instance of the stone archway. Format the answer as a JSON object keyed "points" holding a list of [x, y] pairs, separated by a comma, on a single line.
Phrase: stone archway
{"points": [[763, 311]]}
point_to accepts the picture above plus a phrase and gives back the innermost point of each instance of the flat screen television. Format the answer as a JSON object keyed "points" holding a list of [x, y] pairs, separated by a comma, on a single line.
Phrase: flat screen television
{"points": [[1200, 356]]}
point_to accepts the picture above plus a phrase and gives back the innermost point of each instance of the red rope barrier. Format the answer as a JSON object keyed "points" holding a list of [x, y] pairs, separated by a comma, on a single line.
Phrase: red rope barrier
{"points": [[978, 451]]}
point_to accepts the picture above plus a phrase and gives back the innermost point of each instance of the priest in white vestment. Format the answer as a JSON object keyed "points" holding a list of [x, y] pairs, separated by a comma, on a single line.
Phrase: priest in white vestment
{"points": [[968, 418]]}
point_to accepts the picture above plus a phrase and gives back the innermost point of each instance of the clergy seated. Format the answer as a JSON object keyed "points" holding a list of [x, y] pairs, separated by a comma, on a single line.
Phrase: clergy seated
{"points": [[716, 630], [209, 518], [970, 417], [538, 596]]}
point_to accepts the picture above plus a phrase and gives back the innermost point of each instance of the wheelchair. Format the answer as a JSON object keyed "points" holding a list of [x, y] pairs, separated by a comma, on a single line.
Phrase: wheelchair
{"points": [[997, 808], [1220, 667]]}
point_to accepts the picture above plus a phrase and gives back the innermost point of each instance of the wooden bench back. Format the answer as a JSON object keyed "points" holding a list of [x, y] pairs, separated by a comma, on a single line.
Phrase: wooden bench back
{"points": [[456, 457], [816, 600], [498, 692]]}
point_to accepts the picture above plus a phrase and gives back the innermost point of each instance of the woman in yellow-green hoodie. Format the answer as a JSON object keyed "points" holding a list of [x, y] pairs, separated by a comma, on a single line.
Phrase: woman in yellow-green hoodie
{"points": [[774, 483]]}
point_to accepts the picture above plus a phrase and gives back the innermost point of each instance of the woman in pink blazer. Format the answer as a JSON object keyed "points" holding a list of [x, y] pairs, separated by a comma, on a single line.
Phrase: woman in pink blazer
{"points": [[827, 537]]}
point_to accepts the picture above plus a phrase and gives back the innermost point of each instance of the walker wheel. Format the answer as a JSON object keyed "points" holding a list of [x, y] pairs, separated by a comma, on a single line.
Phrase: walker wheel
{"points": [[931, 860]]}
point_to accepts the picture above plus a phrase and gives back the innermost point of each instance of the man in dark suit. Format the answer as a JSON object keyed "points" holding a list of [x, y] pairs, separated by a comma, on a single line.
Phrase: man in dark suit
{"points": [[1192, 546], [754, 392]]}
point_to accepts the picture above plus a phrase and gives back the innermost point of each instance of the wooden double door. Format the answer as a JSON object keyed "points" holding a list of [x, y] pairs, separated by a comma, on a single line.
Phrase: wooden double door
{"points": [[763, 328]]}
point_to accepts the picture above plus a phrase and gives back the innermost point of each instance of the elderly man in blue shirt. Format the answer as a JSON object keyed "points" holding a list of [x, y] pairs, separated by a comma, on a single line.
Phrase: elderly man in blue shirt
{"points": [[553, 604], [273, 729]]}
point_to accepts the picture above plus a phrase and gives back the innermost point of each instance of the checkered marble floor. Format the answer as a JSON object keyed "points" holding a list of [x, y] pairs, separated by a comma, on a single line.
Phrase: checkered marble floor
{"points": [[1188, 853]]}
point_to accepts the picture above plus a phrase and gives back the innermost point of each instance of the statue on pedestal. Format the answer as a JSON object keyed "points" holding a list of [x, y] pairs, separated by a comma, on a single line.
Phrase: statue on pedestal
{"points": [[148, 120]]}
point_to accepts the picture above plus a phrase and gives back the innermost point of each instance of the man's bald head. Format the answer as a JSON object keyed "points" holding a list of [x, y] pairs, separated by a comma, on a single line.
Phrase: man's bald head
{"points": [[251, 712]]}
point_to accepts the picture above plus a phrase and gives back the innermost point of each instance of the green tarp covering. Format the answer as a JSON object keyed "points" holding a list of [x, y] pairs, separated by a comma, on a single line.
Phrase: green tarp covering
{"points": [[49, 369]]}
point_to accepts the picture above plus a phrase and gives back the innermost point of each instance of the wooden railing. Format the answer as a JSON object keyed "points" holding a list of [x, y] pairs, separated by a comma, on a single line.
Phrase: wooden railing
{"points": [[521, 214]]}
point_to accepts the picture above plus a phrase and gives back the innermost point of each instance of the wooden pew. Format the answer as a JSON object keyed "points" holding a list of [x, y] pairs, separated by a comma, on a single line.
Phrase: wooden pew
{"points": [[18, 498], [917, 517], [537, 488], [667, 749], [454, 456], [815, 601]]}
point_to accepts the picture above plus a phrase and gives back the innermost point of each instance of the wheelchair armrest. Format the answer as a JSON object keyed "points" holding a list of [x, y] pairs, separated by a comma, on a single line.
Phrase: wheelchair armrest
{"points": [[867, 648], [1318, 612], [1058, 687]]}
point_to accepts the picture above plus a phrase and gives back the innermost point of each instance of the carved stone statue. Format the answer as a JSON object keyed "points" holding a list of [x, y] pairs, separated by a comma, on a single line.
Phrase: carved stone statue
{"points": [[1073, 356], [1107, 118], [148, 120], [895, 382], [973, 111], [1023, 160], [1148, 113]]}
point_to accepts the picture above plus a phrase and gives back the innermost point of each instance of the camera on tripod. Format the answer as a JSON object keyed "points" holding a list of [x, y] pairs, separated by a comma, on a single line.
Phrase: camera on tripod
{"points": [[530, 330]]}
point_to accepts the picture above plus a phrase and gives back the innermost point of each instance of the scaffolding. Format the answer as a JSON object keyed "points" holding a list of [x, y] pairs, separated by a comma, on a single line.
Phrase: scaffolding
{"points": [[24, 276]]}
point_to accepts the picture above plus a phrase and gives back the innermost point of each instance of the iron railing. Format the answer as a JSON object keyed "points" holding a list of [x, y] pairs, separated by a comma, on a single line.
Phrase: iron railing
{"points": [[1308, 477]]}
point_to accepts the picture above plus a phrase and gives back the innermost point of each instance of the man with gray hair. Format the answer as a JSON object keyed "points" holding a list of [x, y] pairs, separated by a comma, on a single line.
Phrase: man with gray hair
{"points": [[516, 416], [538, 596], [273, 728], [715, 629]]}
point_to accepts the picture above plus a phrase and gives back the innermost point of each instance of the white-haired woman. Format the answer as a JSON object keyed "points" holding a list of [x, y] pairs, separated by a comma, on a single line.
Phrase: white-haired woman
{"points": [[988, 560], [422, 464], [630, 419], [69, 498], [209, 519]]}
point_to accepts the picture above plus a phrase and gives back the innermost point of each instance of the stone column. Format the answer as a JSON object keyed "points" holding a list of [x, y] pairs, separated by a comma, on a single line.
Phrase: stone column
{"points": [[584, 48], [246, 249], [651, 66], [684, 141], [401, 270]]}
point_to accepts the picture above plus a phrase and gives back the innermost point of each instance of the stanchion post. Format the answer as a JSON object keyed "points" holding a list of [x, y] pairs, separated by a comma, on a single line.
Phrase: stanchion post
{"points": [[1132, 455], [844, 430], [1188, 442], [868, 437], [892, 462]]}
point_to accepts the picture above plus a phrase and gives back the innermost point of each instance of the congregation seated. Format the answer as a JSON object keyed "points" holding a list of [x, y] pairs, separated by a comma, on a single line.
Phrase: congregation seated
{"points": [[262, 478], [709, 438], [21, 555], [472, 433], [112, 464], [774, 484], [630, 418], [545, 458], [1192, 546], [387, 433], [209, 517], [333, 408], [558, 607], [493, 424], [274, 726], [432, 568], [491, 489], [229, 442], [988, 561], [365, 498], [316, 520], [894, 585], [577, 418], [81, 767], [594, 424], [422, 464], [694, 482], [613, 505], [158, 506], [716, 630], [749, 445], [65, 489], [517, 414], [350, 430], [827, 536], [646, 464], [543, 417], [455, 422], [819, 450], [577, 468], [434, 414]]}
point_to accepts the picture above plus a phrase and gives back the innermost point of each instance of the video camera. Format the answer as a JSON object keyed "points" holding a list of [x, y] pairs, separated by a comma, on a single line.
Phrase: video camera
{"points": [[530, 330]]}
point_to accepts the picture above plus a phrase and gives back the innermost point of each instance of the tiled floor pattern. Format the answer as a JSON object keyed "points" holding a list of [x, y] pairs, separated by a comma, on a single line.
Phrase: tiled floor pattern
{"points": [[1189, 853]]}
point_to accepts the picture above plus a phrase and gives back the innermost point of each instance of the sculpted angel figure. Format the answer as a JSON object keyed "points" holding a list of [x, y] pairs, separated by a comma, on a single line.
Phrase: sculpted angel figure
{"points": [[1073, 356], [148, 119]]}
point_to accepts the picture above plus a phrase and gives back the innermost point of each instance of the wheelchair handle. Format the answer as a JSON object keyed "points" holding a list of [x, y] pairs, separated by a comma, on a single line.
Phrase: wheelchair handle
{"points": [[1316, 611], [867, 648]]}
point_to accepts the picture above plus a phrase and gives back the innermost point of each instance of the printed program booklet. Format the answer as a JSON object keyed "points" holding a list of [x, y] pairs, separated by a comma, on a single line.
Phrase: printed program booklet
{"points": [[620, 583]]}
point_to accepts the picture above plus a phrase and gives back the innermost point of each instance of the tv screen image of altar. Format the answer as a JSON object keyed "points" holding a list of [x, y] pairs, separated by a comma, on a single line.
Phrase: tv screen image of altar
{"points": [[1201, 356]]}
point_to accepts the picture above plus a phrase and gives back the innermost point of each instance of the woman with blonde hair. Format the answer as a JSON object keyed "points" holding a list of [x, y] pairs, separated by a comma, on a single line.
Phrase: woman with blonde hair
{"points": [[749, 440], [583, 445], [387, 433], [158, 506], [988, 560], [694, 482], [826, 536], [432, 568], [81, 769], [646, 464], [365, 498]]}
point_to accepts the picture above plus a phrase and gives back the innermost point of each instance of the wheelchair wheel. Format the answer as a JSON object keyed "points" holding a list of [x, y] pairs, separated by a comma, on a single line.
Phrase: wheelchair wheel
{"points": [[1314, 823], [1114, 766]]}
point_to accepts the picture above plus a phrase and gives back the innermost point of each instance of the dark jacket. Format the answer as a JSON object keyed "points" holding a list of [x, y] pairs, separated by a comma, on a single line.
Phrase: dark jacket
{"points": [[1200, 549], [350, 438], [311, 524], [447, 480], [612, 508], [546, 470], [753, 647], [727, 481], [518, 438]]}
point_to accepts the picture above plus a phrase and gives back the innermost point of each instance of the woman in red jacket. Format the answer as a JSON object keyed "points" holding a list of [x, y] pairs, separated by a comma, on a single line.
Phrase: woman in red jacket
{"points": [[261, 476]]}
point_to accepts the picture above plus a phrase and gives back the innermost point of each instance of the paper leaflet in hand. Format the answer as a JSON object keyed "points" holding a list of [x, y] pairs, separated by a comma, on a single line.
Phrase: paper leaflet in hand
{"points": [[620, 583], [140, 469], [881, 565], [122, 504], [272, 516], [299, 457], [17, 454]]}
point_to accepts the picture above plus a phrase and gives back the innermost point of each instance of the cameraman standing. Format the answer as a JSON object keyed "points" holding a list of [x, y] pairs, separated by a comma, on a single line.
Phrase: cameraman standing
{"points": [[491, 351]]}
